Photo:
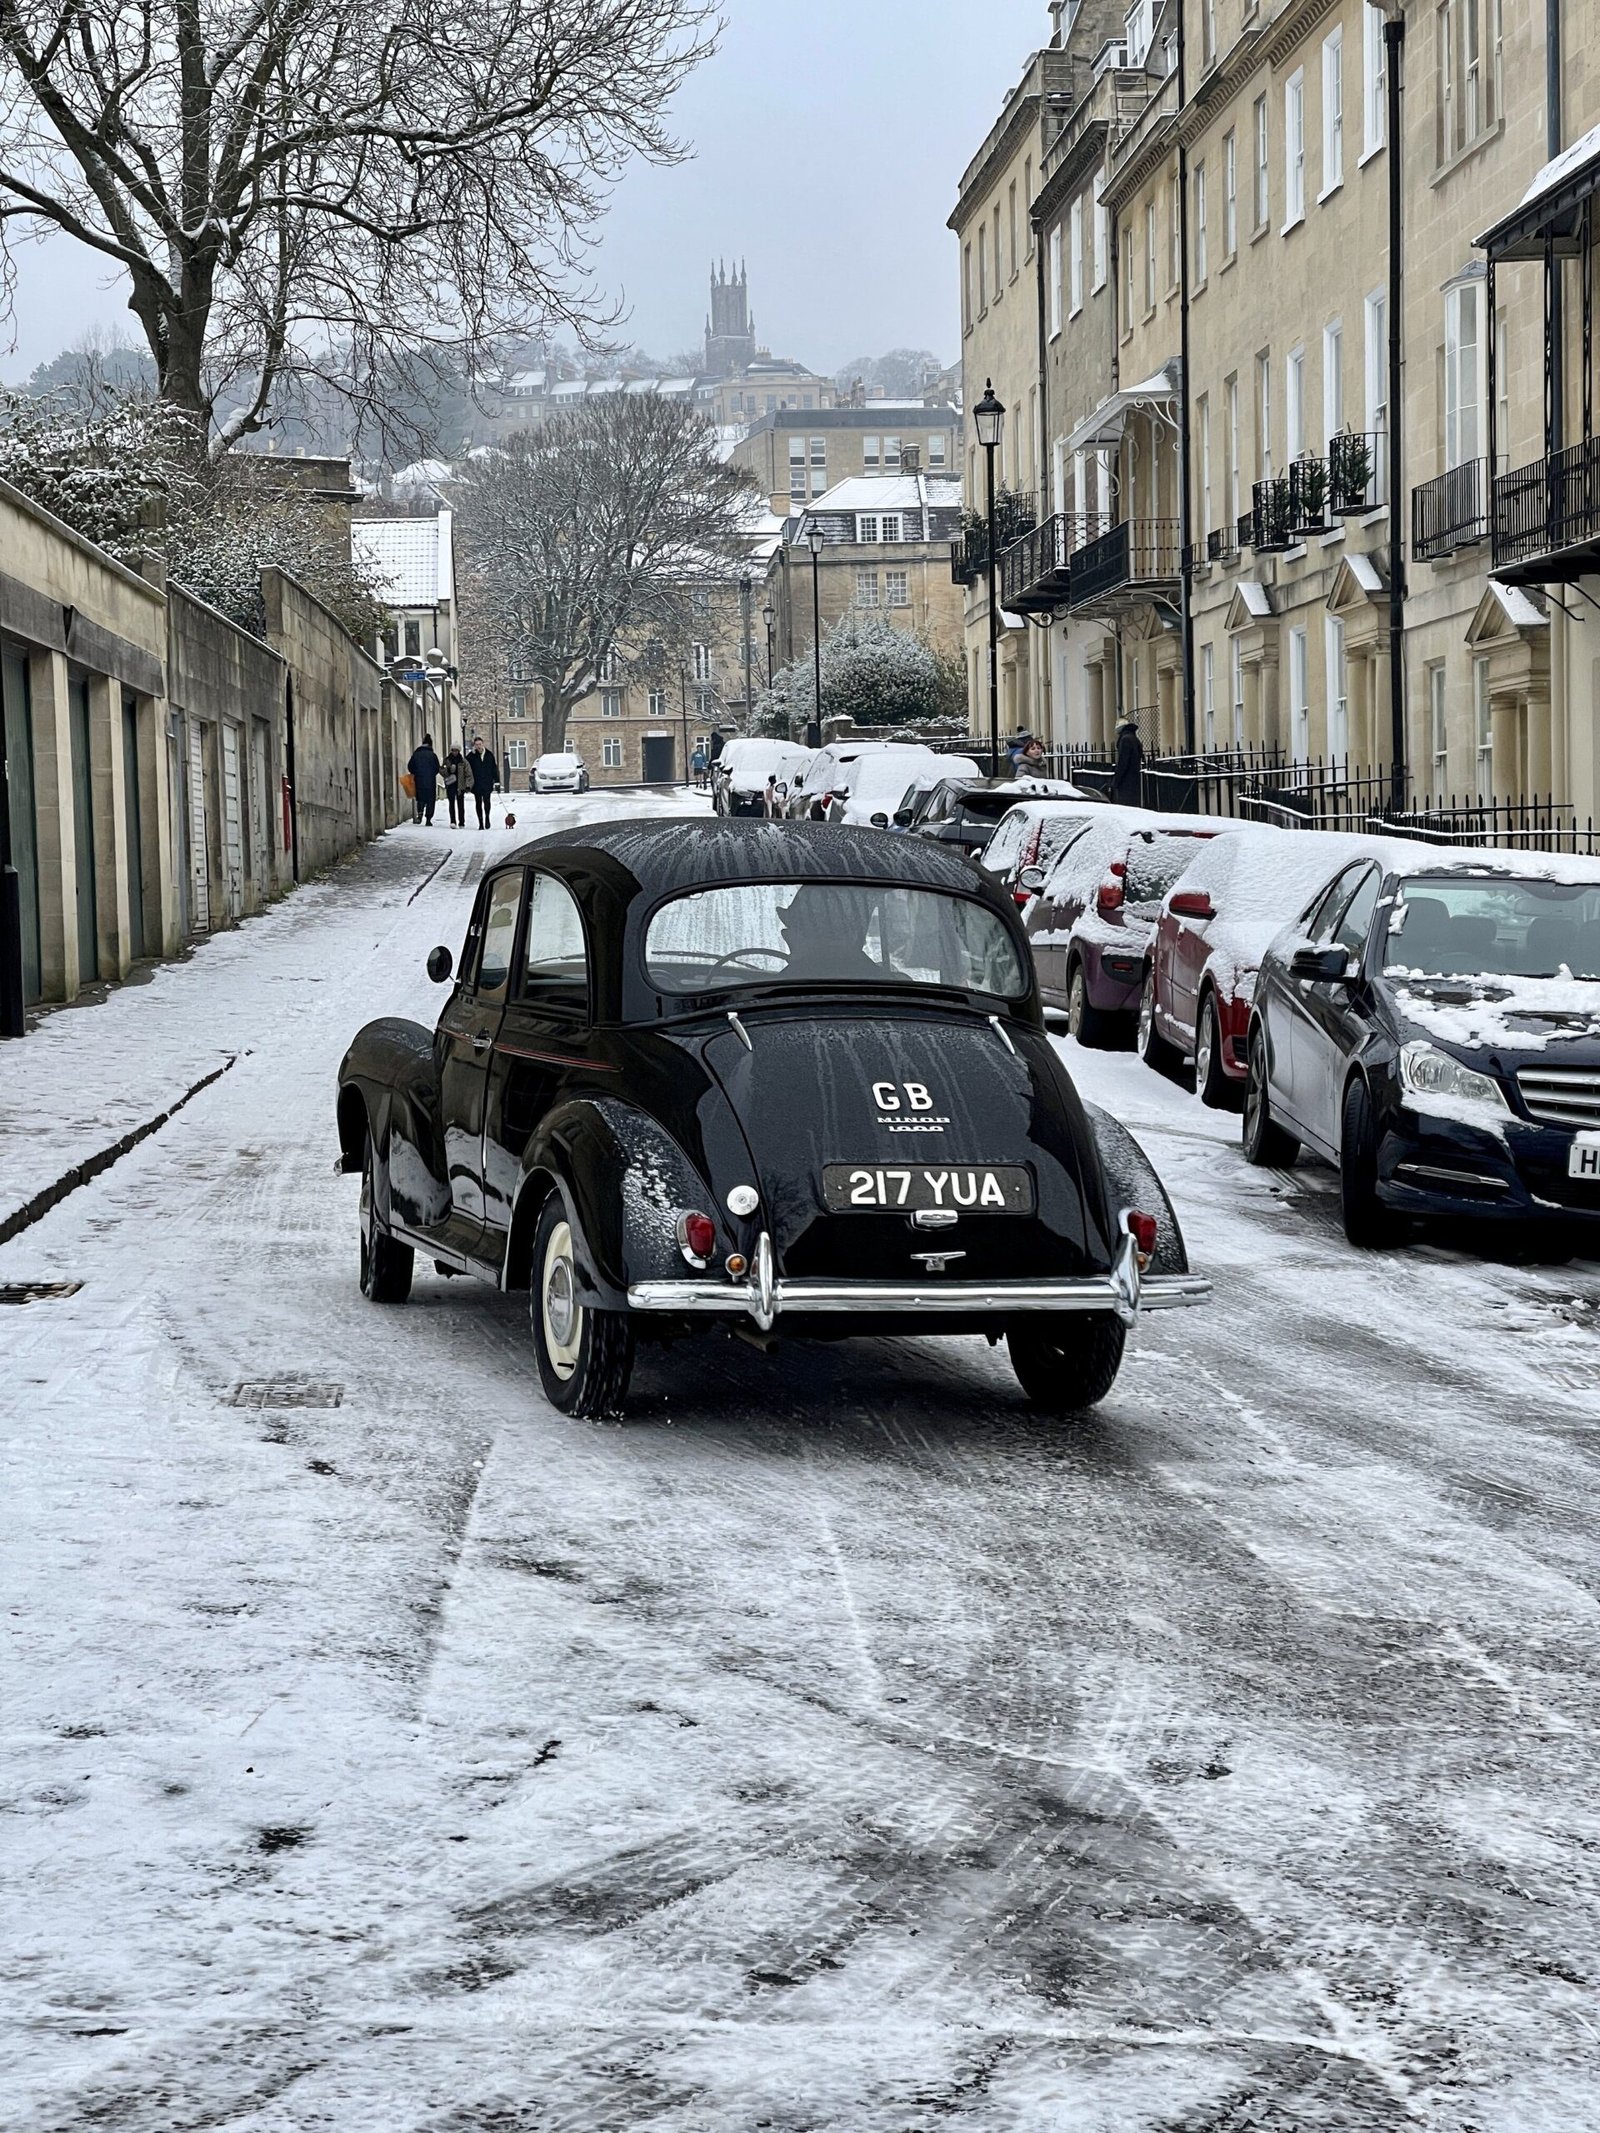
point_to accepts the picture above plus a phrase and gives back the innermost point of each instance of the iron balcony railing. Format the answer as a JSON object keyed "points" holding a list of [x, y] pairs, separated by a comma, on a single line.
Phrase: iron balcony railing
{"points": [[1450, 512], [1358, 472], [1549, 507], [1222, 545], [1308, 496], [1034, 570], [1270, 526], [1137, 553], [1246, 530], [969, 559]]}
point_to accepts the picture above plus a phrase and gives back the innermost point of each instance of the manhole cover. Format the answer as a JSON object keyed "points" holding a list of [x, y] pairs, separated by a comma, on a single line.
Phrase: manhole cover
{"points": [[287, 1391], [32, 1292]]}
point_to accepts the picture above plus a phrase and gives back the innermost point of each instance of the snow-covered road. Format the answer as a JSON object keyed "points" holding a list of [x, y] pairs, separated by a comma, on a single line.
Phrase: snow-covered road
{"points": [[831, 1746]]}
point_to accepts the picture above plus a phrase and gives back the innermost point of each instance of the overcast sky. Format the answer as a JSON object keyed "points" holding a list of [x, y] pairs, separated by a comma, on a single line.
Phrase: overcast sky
{"points": [[828, 137]]}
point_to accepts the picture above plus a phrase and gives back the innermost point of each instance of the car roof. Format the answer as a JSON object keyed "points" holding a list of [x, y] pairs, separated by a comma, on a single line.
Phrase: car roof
{"points": [[666, 854]]}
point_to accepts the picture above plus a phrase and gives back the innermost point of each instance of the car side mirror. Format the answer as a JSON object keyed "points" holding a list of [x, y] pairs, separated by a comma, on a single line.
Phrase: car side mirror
{"points": [[880, 822], [1191, 903], [1031, 878], [440, 964], [902, 818], [1323, 966]]}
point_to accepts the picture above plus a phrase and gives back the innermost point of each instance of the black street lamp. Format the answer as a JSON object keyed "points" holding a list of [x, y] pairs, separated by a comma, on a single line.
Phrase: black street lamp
{"points": [[814, 541], [988, 419], [769, 616]]}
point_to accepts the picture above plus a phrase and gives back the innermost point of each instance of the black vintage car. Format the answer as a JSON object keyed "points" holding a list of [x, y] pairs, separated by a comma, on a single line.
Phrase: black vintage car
{"points": [[702, 1074], [1432, 1026]]}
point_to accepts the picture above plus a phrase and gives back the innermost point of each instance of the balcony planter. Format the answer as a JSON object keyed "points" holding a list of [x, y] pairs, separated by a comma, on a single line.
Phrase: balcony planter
{"points": [[1269, 516], [1353, 469], [1308, 497]]}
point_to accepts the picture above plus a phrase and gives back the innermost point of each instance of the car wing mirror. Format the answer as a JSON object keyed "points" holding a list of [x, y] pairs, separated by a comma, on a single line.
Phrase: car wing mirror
{"points": [[1191, 903], [440, 964], [902, 818], [1322, 966], [1031, 878], [880, 822]]}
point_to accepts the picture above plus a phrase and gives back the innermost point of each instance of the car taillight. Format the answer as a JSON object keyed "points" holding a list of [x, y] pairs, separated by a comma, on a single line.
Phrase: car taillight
{"points": [[1142, 1229], [1022, 898], [697, 1237], [1108, 897], [1031, 849]]}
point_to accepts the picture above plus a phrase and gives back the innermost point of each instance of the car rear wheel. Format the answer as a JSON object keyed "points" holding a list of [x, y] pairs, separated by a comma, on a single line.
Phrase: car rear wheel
{"points": [[585, 1357], [1367, 1222], [1266, 1145], [386, 1266], [1154, 1049], [1215, 1088], [1064, 1372], [1090, 1025]]}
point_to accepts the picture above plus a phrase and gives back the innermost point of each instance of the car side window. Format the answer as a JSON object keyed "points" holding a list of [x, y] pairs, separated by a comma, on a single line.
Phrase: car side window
{"points": [[556, 970], [1356, 923], [1330, 905], [499, 934]]}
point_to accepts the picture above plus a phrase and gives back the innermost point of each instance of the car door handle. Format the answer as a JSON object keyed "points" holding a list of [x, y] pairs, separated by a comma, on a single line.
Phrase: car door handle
{"points": [[480, 1043]]}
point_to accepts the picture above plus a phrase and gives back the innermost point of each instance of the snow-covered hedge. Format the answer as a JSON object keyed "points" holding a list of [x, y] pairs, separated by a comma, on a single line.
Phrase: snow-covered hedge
{"points": [[874, 674]]}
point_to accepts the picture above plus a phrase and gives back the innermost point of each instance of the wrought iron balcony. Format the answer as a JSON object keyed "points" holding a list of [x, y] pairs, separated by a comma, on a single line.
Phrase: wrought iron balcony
{"points": [[1246, 531], [1450, 512], [1270, 531], [1545, 528], [969, 559], [1358, 472], [1308, 496], [1035, 569], [1134, 561], [1222, 545]]}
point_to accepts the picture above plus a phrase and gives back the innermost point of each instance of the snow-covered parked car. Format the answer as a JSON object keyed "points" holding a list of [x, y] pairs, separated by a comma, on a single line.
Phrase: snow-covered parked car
{"points": [[739, 785], [965, 811], [1031, 837], [1430, 1025], [560, 773], [877, 787], [1219, 918], [695, 1075]]}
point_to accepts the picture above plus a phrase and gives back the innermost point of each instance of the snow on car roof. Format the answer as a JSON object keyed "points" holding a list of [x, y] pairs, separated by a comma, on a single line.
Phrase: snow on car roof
{"points": [[663, 853]]}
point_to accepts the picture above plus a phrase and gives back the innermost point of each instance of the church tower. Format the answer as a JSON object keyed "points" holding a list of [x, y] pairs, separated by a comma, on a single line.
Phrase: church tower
{"points": [[730, 331]]}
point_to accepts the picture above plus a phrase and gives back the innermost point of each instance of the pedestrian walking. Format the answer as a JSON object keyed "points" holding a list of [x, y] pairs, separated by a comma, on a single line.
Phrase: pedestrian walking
{"points": [[769, 799], [1031, 762], [457, 778], [715, 749], [424, 769], [1127, 779], [698, 763], [485, 779]]}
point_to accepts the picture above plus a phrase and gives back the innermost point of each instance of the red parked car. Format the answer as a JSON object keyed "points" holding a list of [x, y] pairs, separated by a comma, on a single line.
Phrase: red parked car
{"points": [[1216, 923]]}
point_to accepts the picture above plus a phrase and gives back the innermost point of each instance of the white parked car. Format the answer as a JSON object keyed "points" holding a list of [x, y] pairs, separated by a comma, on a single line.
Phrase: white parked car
{"points": [[743, 769], [877, 786], [560, 773]]}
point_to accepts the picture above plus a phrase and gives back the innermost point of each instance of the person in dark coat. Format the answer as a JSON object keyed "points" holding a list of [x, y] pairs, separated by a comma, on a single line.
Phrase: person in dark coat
{"points": [[485, 779], [424, 769], [1127, 780], [716, 743], [457, 778]]}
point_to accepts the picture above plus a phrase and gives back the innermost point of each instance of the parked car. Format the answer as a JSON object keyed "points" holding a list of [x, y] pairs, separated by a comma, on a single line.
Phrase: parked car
{"points": [[560, 773], [965, 811], [1033, 835], [1218, 919], [811, 796], [1431, 1026], [877, 787], [1090, 924], [743, 768], [689, 1075]]}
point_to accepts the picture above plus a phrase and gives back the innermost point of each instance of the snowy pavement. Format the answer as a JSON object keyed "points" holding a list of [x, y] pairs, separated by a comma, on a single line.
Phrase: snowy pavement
{"points": [[833, 1745]]}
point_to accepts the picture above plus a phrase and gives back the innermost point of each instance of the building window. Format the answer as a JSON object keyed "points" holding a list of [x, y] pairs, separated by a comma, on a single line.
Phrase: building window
{"points": [[1174, 249], [1102, 230], [1264, 416], [1469, 73], [797, 470], [1332, 380], [1011, 223], [966, 290], [1202, 430], [1374, 82], [819, 465], [702, 662], [871, 453], [897, 588], [1127, 277], [1338, 702], [938, 451], [1294, 149], [1236, 721], [705, 703], [891, 452], [866, 588], [1482, 729], [1200, 243], [1294, 406], [1208, 696], [1377, 379], [1230, 415], [516, 755], [1263, 199], [1075, 256], [1230, 195], [866, 528], [657, 703], [1299, 697], [1208, 31], [610, 666], [1027, 194], [1332, 112], [414, 639], [1438, 733], [893, 526], [983, 268], [611, 703], [611, 752], [1463, 373], [1149, 255]]}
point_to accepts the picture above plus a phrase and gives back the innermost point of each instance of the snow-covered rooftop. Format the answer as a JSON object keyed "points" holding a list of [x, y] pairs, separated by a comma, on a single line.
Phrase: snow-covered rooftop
{"points": [[413, 557], [889, 492]]}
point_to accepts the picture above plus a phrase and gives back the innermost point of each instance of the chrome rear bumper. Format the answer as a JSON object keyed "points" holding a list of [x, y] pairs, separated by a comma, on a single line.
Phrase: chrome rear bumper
{"points": [[1124, 1291]]}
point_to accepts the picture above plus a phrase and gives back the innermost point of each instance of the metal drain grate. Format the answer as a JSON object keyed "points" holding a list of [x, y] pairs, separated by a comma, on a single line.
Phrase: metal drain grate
{"points": [[32, 1292], [290, 1390]]}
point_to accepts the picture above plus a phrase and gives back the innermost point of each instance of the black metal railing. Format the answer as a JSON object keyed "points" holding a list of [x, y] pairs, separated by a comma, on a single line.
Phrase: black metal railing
{"points": [[969, 559], [1550, 506], [1034, 569], [1138, 552], [1450, 512], [1308, 496], [1270, 528], [1358, 472], [1245, 530], [1222, 545]]}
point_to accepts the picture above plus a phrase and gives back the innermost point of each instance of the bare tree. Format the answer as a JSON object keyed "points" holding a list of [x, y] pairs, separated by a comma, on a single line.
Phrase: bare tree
{"points": [[586, 539], [295, 187]]}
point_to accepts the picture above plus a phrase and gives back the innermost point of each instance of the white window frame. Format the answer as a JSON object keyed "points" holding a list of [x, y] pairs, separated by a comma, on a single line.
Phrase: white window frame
{"points": [[1202, 412], [1332, 113], [891, 453], [1294, 150], [1230, 194], [1295, 444], [1149, 256], [1374, 83], [1299, 696], [1236, 677], [1438, 730], [1375, 366], [1465, 373], [1102, 231], [1230, 393], [1058, 477], [701, 655], [1075, 256], [892, 527], [656, 703], [1208, 696], [1201, 246], [1261, 202], [1338, 688], [1332, 380], [1055, 280], [516, 755], [894, 580], [1264, 416], [611, 703], [1482, 730], [868, 587], [611, 752], [866, 528]]}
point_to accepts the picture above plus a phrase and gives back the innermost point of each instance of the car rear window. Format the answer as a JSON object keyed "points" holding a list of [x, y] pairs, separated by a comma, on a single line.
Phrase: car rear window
{"points": [[1154, 864], [785, 933]]}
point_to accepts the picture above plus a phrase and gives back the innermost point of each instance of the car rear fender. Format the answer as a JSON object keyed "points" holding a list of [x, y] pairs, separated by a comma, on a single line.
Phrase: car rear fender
{"points": [[625, 1181], [389, 1085], [1131, 1181]]}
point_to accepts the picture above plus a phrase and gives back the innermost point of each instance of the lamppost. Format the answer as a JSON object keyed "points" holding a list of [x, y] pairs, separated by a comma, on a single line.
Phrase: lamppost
{"points": [[769, 617], [814, 543], [988, 419]]}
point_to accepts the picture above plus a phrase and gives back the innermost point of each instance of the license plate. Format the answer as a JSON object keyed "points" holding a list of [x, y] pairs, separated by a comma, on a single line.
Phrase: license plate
{"points": [[1006, 1189], [1583, 1157]]}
